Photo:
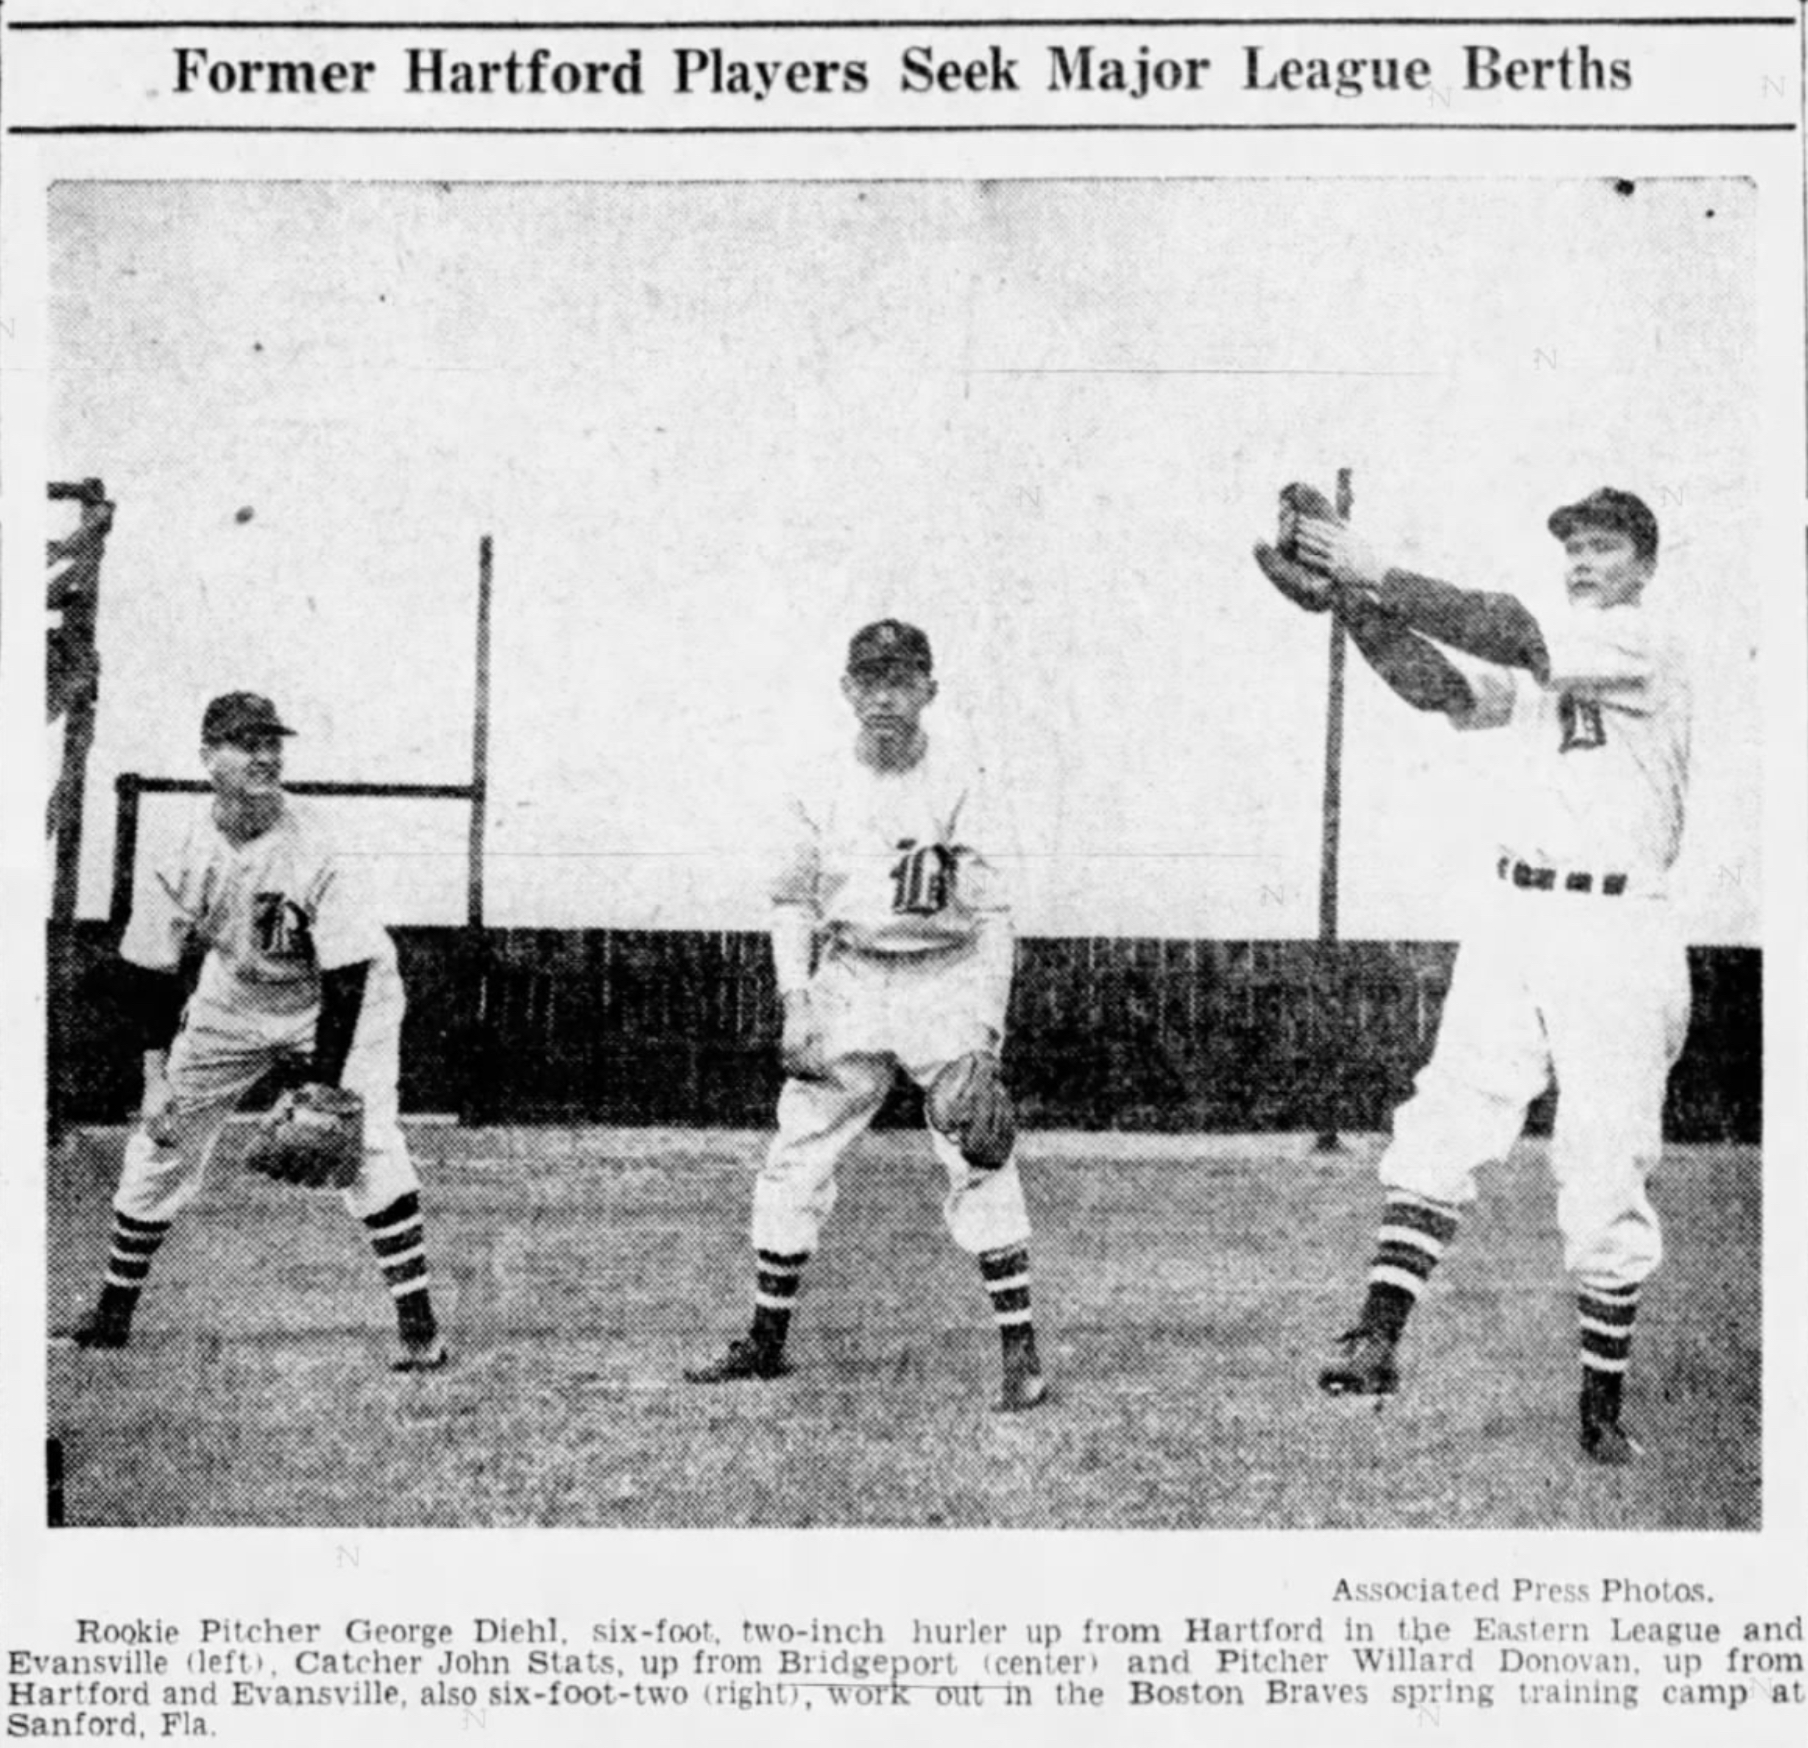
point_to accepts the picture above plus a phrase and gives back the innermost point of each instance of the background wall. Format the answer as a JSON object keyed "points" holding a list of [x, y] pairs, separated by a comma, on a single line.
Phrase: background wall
{"points": [[713, 428]]}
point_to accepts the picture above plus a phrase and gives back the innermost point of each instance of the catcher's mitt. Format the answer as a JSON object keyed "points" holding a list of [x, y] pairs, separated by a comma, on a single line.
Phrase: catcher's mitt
{"points": [[1302, 584], [968, 1103], [313, 1138]]}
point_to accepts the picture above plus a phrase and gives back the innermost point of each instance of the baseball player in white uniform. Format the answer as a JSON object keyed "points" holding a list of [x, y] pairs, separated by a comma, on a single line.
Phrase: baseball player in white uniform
{"points": [[1576, 970], [893, 947], [296, 972]]}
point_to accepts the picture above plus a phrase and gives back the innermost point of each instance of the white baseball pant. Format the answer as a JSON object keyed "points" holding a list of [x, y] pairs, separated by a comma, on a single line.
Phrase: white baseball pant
{"points": [[222, 1051], [1590, 989], [877, 1014]]}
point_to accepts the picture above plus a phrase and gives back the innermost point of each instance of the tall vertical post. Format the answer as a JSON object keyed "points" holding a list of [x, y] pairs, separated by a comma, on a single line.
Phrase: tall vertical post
{"points": [[480, 740], [1329, 992], [475, 1099], [72, 687]]}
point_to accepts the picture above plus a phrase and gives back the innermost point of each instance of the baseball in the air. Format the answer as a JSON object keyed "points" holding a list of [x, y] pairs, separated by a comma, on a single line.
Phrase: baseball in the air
{"points": [[245, 513]]}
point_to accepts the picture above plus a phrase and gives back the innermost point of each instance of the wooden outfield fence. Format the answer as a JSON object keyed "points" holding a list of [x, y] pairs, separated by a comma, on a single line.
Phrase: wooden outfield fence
{"points": [[678, 1027]]}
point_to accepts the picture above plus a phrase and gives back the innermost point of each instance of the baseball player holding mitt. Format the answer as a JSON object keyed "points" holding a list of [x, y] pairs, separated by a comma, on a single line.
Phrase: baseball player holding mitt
{"points": [[1576, 972], [296, 973], [893, 946]]}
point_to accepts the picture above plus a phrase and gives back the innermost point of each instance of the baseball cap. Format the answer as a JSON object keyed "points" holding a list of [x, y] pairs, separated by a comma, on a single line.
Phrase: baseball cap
{"points": [[888, 643], [1610, 508], [234, 714]]}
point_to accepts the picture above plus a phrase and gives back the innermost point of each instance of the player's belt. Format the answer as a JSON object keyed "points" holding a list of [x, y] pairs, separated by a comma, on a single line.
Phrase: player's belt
{"points": [[1529, 877]]}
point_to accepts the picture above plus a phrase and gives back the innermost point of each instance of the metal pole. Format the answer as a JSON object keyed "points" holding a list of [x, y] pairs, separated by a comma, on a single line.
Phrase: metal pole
{"points": [[1330, 992], [480, 738], [475, 1100]]}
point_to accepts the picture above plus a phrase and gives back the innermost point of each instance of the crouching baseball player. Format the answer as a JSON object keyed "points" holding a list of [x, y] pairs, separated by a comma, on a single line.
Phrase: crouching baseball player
{"points": [[893, 946], [1575, 971], [296, 971]]}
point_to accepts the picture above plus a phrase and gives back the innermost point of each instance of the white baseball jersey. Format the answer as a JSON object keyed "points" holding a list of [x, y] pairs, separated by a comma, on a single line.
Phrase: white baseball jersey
{"points": [[891, 862], [1603, 781], [272, 913]]}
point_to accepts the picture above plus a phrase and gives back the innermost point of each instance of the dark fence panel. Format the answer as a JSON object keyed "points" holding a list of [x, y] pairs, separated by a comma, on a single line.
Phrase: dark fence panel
{"points": [[631, 1027]]}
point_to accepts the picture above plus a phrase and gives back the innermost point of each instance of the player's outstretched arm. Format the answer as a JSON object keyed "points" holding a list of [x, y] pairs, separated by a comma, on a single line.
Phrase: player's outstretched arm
{"points": [[1411, 667], [1497, 628], [1414, 669]]}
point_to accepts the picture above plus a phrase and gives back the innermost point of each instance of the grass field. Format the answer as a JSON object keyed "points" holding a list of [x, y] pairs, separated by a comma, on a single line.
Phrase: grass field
{"points": [[1185, 1287]]}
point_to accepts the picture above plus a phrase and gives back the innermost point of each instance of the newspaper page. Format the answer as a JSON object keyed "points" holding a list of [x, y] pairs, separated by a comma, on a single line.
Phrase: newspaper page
{"points": [[929, 875]]}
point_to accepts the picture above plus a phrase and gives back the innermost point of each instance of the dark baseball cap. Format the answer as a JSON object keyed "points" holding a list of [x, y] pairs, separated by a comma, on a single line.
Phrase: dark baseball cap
{"points": [[889, 643], [1610, 508], [234, 715]]}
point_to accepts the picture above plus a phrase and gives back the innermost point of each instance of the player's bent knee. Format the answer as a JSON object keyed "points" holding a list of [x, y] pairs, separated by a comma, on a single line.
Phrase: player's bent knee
{"points": [[980, 1237], [148, 1199], [1621, 1253]]}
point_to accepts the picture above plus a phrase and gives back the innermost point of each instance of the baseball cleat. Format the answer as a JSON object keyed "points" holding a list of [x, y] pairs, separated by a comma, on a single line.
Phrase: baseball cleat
{"points": [[94, 1331], [744, 1359], [421, 1356], [1364, 1364], [1608, 1443]]}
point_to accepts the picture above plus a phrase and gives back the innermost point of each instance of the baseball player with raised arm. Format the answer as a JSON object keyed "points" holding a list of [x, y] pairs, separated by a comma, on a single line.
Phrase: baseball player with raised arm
{"points": [[893, 946], [1576, 971], [297, 972]]}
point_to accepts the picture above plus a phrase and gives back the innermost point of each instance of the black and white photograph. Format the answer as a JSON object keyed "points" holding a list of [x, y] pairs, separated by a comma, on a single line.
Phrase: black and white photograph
{"points": [[936, 865], [841, 815]]}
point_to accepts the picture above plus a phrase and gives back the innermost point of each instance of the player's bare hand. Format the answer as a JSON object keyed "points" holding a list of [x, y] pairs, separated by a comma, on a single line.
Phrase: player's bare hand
{"points": [[158, 1112], [280, 1112], [1329, 546], [800, 1048]]}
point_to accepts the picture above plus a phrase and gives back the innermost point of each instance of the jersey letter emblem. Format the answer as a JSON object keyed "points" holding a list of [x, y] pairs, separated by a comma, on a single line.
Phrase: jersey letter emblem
{"points": [[279, 926], [1583, 725], [922, 882]]}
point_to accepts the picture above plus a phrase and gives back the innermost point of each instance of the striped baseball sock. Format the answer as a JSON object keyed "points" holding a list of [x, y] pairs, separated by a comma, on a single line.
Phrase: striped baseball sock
{"points": [[399, 1238], [1006, 1274], [778, 1276], [1604, 1318], [1413, 1235], [135, 1242]]}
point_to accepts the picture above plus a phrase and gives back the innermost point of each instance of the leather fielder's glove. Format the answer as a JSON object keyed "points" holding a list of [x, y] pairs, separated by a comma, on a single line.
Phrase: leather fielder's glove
{"points": [[968, 1103], [1303, 584], [313, 1138], [1415, 668]]}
